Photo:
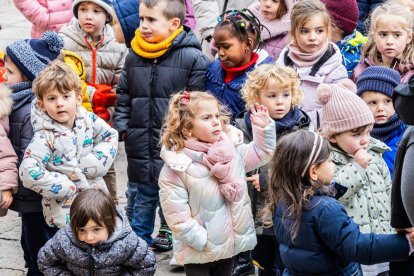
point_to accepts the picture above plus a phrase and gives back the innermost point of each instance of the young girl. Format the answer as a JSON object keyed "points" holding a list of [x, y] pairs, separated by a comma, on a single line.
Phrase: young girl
{"points": [[98, 241], [203, 191], [8, 158], [277, 88], [311, 54], [315, 233], [236, 37], [275, 16], [390, 41]]}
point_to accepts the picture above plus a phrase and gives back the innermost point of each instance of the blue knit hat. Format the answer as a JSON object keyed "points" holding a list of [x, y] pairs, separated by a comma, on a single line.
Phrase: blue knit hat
{"points": [[104, 4], [31, 56], [378, 79]]}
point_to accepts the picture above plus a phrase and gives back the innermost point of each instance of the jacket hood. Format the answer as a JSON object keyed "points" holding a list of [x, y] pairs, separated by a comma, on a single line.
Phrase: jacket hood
{"points": [[6, 101], [127, 13], [185, 39]]}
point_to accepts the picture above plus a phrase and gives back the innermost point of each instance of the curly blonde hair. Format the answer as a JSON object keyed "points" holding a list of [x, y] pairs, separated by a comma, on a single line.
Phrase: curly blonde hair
{"points": [[179, 120], [286, 78], [382, 12]]}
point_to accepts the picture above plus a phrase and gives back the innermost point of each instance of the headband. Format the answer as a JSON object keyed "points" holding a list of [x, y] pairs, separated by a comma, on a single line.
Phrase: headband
{"points": [[314, 155]]}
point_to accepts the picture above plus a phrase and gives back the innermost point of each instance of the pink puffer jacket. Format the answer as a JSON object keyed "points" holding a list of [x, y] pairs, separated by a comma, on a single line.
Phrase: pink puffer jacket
{"points": [[45, 14]]}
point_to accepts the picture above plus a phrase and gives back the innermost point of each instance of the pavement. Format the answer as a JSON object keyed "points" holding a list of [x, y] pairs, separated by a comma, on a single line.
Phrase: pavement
{"points": [[13, 27]]}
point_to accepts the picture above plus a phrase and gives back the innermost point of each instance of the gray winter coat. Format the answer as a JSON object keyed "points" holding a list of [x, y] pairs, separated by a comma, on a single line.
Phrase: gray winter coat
{"points": [[124, 253]]}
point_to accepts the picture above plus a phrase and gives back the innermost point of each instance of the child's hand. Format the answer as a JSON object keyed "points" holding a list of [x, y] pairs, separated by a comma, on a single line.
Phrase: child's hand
{"points": [[260, 115], [255, 181], [7, 199], [362, 158], [411, 237]]}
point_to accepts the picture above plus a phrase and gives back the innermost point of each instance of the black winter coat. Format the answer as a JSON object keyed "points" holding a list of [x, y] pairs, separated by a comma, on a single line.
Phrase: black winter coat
{"points": [[143, 93]]}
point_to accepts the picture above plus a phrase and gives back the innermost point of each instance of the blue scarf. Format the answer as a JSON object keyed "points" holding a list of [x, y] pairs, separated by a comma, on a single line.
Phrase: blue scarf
{"points": [[383, 131], [22, 94]]}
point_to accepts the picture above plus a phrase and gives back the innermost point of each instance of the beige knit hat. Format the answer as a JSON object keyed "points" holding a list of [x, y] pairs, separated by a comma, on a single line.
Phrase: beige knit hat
{"points": [[342, 109]]}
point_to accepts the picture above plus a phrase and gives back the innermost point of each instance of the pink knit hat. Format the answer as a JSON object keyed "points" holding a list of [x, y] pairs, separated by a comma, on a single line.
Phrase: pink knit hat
{"points": [[344, 13], [342, 109]]}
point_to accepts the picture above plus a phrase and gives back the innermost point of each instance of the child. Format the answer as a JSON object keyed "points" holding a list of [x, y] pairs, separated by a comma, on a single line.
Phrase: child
{"points": [[359, 166], [275, 17], [390, 41], [344, 15], [71, 149], [168, 57], [8, 158], [45, 15], [278, 89], [90, 35], [98, 241], [126, 20], [315, 59], [202, 186], [24, 60], [236, 37], [316, 235], [375, 86]]}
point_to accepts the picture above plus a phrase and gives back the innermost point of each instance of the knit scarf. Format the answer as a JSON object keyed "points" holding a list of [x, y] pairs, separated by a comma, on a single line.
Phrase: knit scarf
{"points": [[220, 159], [233, 72], [22, 94], [152, 50], [302, 59], [383, 131]]}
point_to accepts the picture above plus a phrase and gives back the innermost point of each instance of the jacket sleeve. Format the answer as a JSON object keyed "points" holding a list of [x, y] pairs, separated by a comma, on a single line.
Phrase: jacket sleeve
{"points": [[205, 14], [26, 134], [36, 177], [338, 74], [352, 176], [105, 146], [197, 78], [49, 260], [8, 165], [407, 185], [118, 69], [342, 235], [174, 203], [142, 260], [259, 151], [122, 105], [34, 12]]}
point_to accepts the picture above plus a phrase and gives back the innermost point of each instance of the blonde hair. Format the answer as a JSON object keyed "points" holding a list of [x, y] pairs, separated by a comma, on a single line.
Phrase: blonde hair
{"points": [[57, 75], [303, 11], [286, 78], [179, 121], [370, 50]]}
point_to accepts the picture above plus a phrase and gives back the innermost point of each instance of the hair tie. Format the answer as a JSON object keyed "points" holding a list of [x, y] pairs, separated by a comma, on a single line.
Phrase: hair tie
{"points": [[314, 155], [185, 98]]}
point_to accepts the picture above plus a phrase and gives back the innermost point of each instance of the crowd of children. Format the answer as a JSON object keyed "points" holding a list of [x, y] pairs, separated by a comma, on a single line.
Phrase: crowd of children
{"points": [[278, 153]]}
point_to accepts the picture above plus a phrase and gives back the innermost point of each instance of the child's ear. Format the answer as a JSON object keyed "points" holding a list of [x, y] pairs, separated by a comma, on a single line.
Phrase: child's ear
{"points": [[332, 139], [175, 23], [79, 99], [409, 37], [250, 43], [41, 105], [312, 173]]}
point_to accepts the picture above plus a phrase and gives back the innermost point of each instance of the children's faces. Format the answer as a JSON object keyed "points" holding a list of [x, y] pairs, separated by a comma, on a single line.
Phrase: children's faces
{"points": [[313, 35], [61, 107], [231, 51], [269, 8], [206, 123], [12, 75], [352, 141], [154, 26], [92, 18], [92, 233], [380, 105], [118, 32], [277, 101], [391, 38]]}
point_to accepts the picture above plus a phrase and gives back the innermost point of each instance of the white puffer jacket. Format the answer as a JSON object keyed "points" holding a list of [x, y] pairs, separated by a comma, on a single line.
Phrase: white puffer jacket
{"points": [[205, 226]]}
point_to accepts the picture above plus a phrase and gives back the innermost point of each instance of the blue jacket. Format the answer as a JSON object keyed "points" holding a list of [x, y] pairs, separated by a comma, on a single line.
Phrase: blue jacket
{"points": [[351, 50], [229, 93], [392, 142], [329, 241], [127, 12]]}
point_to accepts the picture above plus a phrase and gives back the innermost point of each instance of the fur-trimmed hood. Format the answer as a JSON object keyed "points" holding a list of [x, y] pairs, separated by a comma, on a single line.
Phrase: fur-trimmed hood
{"points": [[6, 101]]}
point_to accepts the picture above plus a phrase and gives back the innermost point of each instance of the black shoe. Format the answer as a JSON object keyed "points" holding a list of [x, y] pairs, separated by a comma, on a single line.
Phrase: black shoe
{"points": [[243, 268]]}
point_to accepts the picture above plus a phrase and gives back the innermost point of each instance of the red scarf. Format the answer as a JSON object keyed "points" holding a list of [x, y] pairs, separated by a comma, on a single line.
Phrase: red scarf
{"points": [[233, 72]]}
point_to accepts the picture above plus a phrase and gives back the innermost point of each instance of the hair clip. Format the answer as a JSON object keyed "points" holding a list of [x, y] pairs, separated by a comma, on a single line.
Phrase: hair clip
{"points": [[243, 25], [185, 98], [219, 19]]}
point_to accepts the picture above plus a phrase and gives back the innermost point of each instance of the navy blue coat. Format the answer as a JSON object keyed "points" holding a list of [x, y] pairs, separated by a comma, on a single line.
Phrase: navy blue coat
{"points": [[329, 241], [392, 142], [143, 93], [229, 93], [21, 133], [127, 12]]}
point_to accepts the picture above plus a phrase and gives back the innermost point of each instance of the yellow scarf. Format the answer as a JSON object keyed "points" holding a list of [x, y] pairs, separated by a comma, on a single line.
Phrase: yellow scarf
{"points": [[152, 50]]}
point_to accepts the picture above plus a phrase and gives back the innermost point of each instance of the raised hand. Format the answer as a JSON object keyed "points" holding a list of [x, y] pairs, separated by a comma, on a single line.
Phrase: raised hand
{"points": [[260, 115], [362, 158]]}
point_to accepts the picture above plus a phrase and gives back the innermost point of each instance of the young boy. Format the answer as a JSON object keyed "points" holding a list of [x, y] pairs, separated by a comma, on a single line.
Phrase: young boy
{"points": [[71, 149], [375, 86], [359, 166], [90, 35], [24, 60], [165, 57]]}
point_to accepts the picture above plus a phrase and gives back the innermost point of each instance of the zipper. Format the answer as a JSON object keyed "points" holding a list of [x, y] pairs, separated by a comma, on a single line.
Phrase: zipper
{"points": [[91, 263], [151, 104]]}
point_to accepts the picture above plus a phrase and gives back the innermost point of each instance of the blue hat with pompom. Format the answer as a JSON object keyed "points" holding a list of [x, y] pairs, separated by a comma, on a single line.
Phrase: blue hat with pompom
{"points": [[31, 56]]}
